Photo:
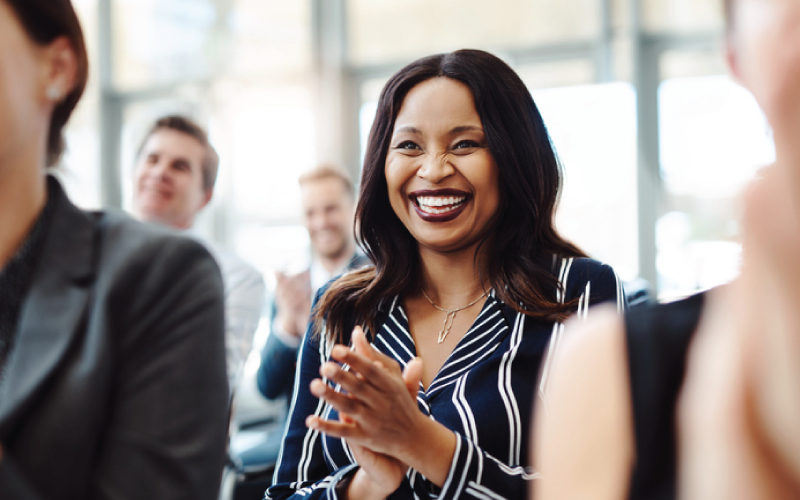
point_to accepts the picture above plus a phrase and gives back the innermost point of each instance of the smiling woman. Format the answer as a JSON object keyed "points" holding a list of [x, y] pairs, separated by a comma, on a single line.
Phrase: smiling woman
{"points": [[470, 284]]}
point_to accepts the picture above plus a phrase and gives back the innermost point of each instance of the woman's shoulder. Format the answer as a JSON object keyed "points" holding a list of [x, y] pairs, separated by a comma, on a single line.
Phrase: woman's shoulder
{"points": [[585, 276], [119, 231], [135, 255], [128, 238], [581, 266]]}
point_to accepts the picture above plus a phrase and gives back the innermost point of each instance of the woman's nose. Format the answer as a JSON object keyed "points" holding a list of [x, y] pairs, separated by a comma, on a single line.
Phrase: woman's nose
{"points": [[435, 168]]}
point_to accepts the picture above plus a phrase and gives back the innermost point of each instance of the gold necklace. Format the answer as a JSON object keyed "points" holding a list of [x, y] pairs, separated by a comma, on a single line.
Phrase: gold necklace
{"points": [[451, 314]]}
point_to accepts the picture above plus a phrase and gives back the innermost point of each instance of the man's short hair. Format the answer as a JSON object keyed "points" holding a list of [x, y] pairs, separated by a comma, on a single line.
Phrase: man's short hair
{"points": [[188, 126], [328, 171]]}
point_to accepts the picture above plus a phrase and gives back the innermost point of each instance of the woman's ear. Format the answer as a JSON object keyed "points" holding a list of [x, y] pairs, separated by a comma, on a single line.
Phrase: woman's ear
{"points": [[60, 68]]}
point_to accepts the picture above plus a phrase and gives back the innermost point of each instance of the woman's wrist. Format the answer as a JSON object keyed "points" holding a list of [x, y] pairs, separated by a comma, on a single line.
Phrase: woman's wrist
{"points": [[360, 487], [431, 450]]}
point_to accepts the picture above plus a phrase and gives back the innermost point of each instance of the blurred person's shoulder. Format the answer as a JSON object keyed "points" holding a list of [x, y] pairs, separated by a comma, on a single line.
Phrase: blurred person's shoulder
{"points": [[123, 238]]}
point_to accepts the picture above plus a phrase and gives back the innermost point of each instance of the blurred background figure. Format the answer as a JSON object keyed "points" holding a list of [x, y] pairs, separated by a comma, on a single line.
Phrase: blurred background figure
{"points": [[328, 204], [328, 209], [176, 168], [112, 372], [698, 398]]}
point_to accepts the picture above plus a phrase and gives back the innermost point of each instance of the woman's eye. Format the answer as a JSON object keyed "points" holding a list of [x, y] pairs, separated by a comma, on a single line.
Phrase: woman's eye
{"points": [[465, 144], [407, 145]]}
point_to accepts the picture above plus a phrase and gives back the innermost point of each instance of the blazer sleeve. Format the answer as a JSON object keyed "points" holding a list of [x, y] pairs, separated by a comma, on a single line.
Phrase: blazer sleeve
{"points": [[168, 409], [276, 372], [170, 412]]}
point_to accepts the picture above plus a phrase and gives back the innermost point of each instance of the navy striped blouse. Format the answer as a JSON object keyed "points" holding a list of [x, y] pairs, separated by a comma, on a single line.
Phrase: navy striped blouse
{"points": [[484, 393]]}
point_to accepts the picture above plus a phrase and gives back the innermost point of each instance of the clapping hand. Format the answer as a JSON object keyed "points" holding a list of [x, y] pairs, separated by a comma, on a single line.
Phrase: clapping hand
{"points": [[293, 301], [376, 413]]}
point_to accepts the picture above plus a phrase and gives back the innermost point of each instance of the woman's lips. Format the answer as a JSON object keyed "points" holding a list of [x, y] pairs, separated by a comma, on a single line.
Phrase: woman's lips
{"points": [[440, 205]]}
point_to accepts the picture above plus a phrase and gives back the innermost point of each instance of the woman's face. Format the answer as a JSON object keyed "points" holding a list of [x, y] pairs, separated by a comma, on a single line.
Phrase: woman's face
{"points": [[23, 115], [443, 182]]}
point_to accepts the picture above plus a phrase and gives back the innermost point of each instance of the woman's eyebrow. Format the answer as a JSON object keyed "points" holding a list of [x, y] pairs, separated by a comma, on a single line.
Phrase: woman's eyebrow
{"points": [[465, 128], [408, 128]]}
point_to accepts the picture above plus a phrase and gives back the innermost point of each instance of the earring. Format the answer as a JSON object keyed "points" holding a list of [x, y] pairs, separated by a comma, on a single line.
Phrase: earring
{"points": [[54, 93]]}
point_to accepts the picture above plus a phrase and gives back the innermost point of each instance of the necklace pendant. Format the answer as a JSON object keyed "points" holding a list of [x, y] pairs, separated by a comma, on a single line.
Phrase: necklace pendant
{"points": [[450, 315], [448, 324]]}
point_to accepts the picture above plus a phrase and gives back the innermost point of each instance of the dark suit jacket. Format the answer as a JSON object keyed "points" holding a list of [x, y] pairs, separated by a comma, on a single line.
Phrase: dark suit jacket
{"points": [[116, 385]]}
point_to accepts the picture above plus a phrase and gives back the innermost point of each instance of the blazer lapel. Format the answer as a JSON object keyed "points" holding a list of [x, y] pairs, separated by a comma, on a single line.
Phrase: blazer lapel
{"points": [[54, 310]]}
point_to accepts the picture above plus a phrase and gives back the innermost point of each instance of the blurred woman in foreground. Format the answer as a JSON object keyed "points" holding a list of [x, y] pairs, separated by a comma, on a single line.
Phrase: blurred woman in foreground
{"points": [[470, 284], [112, 359], [626, 419]]}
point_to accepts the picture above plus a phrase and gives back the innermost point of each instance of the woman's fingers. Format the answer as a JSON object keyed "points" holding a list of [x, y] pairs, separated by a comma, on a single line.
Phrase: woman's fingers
{"points": [[335, 428], [358, 381], [343, 403], [363, 372], [362, 346], [412, 376]]}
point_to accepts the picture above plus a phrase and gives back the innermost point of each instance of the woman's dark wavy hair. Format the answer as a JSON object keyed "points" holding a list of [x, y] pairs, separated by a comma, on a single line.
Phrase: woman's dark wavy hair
{"points": [[522, 244], [44, 21]]}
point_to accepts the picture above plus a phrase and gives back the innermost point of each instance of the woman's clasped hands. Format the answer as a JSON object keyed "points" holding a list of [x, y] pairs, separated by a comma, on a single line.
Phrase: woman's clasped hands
{"points": [[379, 418]]}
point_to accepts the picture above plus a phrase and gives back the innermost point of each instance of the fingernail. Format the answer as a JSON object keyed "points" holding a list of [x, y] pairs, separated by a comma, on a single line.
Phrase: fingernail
{"points": [[317, 387], [329, 370]]}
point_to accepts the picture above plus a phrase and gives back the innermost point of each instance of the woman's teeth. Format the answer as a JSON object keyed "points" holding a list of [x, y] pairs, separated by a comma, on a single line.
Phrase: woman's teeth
{"points": [[439, 204]]}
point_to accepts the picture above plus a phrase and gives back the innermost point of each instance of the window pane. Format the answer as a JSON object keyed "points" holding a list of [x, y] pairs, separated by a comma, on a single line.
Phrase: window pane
{"points": [[269, 137], [427, 27], [162, 41], [593, 128], [713, 138], [680, 63], [79, 169], [682, 15], [557, 73], [165, 41], [269, 38]]}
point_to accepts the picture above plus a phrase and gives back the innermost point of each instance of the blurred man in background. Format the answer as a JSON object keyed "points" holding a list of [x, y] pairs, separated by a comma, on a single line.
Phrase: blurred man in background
{"points": [[328, 198], [174, 177]]}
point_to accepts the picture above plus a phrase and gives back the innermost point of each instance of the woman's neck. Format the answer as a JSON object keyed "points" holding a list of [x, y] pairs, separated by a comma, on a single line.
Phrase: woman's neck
{"points": [[453, 279], [23, 194]]}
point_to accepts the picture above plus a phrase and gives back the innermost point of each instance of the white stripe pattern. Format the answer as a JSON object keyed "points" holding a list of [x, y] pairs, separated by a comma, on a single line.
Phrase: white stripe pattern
{"points": [[492, 371], [479, 491]]}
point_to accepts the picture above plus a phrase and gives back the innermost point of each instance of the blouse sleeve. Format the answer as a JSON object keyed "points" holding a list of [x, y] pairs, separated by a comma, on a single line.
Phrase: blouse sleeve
{"points": [[476, 474], [301, 470], [590, 283], [606, 287]]}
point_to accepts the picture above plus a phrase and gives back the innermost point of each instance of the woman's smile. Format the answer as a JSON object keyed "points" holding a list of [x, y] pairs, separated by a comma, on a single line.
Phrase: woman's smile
{"points": [[440, 205]]}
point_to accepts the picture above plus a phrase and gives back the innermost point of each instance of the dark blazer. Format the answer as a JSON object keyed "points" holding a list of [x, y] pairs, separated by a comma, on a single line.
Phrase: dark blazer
{"points": [[116, 385]]}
